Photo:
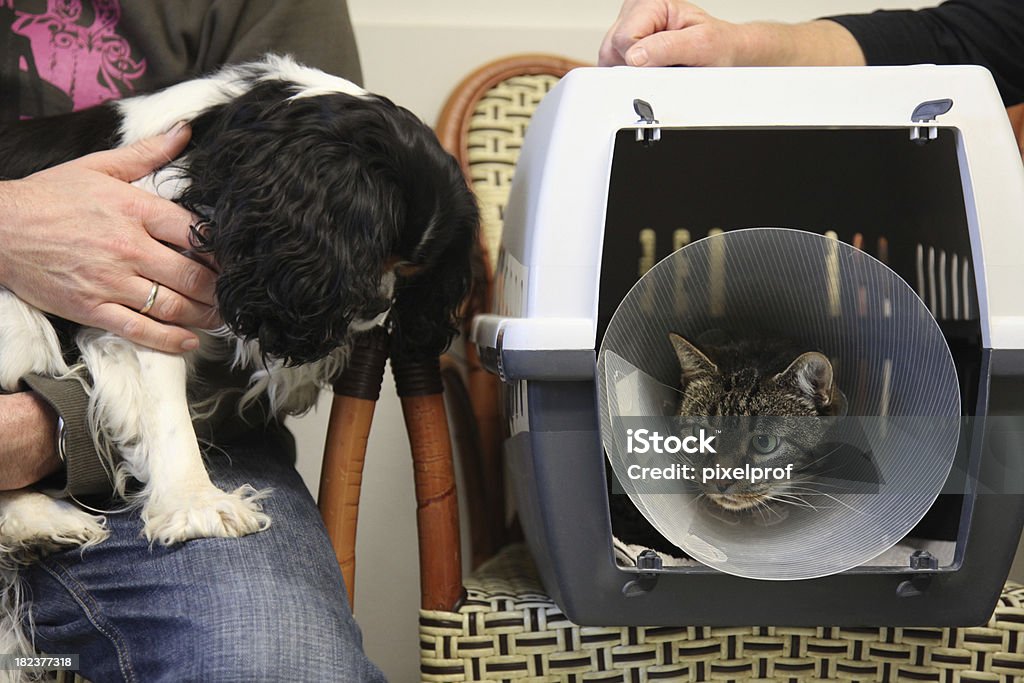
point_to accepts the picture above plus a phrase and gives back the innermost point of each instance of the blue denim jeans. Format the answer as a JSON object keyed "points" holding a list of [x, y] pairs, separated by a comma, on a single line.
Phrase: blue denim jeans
{"points": [[267, 607]]}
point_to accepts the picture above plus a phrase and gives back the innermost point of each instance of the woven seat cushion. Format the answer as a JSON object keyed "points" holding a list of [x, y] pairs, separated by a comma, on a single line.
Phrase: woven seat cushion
{"points": [[509, 630]]}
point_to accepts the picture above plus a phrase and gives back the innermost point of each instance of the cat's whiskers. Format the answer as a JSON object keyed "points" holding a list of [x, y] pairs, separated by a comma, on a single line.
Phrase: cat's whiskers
{"points": [[807, 491], [794, 500], [763, 503], [761, 507]]}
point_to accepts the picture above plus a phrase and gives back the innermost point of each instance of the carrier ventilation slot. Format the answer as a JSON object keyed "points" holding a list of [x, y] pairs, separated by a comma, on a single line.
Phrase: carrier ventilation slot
{"points": [[942, 280]]}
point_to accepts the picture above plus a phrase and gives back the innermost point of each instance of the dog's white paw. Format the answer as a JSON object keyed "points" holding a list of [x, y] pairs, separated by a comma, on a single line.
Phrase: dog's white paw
{"points": [[41, 525], [206, 513]]}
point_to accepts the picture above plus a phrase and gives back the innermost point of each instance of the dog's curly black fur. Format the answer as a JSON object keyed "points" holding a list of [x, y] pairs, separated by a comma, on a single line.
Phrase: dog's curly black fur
{"points": [[307, 198]]}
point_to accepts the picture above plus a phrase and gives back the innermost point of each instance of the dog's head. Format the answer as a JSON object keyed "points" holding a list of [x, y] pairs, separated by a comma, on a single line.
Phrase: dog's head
{"points": [[325, 211]]}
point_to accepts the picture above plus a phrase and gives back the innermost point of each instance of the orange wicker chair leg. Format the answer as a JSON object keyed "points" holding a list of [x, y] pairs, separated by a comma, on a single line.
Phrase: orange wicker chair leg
{"points": [[355, 396], [437, 512], [466, 442]]}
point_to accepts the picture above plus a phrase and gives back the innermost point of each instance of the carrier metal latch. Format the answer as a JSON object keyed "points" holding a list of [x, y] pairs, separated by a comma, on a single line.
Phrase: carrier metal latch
{"points": [[649, 134], [924, 112], [649, 563], [920, 560]]}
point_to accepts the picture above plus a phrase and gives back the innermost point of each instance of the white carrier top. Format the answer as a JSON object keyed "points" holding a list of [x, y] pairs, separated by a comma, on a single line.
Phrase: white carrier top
{"points": [[554, 222]]}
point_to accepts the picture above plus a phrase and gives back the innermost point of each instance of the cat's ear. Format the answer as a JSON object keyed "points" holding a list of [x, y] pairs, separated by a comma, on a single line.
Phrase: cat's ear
{"points": [[811, 373], [692, 362]]}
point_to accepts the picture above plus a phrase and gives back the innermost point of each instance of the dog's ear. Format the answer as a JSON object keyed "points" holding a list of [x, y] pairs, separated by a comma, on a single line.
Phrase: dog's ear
{"points": [[437, 223], [426, 314]]}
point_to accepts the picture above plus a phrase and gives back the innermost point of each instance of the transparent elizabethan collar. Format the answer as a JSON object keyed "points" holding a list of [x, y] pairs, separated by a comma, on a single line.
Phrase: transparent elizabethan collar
{"points": [[890, 361]]}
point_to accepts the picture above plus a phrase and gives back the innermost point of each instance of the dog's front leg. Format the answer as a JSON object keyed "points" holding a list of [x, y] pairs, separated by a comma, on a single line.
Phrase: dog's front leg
{"points": [[138, 401]]}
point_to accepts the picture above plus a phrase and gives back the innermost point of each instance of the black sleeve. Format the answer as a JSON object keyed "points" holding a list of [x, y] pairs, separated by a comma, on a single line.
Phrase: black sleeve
{"points": [[985, 32]]}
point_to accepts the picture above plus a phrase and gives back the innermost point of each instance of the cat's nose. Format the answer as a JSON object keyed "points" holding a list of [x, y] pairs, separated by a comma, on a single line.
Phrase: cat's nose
{"points": [[723, 486]]}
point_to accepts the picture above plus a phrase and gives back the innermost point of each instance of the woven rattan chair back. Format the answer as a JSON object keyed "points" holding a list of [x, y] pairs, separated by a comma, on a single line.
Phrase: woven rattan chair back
{"points": [[483, 123]]}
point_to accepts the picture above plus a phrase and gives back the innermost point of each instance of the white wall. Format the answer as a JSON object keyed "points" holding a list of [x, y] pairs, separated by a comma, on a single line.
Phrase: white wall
{"points": [[415, 51]]}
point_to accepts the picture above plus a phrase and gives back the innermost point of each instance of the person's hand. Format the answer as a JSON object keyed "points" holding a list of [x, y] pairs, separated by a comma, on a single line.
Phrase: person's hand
{"points": [[669, 33], [28, 440], [678, 33], [82, 243]]}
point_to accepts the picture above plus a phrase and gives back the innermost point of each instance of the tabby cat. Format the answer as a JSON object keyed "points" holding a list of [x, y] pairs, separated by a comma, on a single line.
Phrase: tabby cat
{"points": [[744, 390]]}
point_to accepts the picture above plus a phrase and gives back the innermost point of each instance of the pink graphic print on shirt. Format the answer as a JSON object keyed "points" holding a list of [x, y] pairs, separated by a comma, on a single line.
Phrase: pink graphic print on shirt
{"points": [[91, 63]]}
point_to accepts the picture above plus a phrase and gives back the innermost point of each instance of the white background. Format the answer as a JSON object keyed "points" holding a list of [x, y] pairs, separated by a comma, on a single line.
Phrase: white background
{"points": [[415, 52]]}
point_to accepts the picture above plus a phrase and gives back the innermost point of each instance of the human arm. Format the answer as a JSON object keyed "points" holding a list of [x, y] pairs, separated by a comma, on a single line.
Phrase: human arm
{"points": [[28, 440], [673, 32], [84, 244]]}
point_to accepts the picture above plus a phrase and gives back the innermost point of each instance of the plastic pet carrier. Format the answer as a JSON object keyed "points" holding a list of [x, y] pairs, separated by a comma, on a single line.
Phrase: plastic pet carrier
{"points": [[874, 216]]}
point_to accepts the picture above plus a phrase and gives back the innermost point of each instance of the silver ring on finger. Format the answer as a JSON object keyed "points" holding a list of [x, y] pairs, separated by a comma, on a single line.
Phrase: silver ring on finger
{"points": [[151, 299]]}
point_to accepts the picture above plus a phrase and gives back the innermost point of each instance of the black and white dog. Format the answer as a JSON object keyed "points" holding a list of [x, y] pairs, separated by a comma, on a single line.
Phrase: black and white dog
{"points": [[319, 197]]}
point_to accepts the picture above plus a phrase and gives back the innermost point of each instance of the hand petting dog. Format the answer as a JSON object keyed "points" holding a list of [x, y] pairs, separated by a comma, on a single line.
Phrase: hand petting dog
{"points": [[96, 246]]}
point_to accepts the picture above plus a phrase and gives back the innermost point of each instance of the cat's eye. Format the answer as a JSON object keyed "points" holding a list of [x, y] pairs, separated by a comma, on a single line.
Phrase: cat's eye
{"points": [[764, 443]]}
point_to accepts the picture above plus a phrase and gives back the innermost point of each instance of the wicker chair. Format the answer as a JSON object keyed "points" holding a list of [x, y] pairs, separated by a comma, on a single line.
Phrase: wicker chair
{"points": [[508, 629]]}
